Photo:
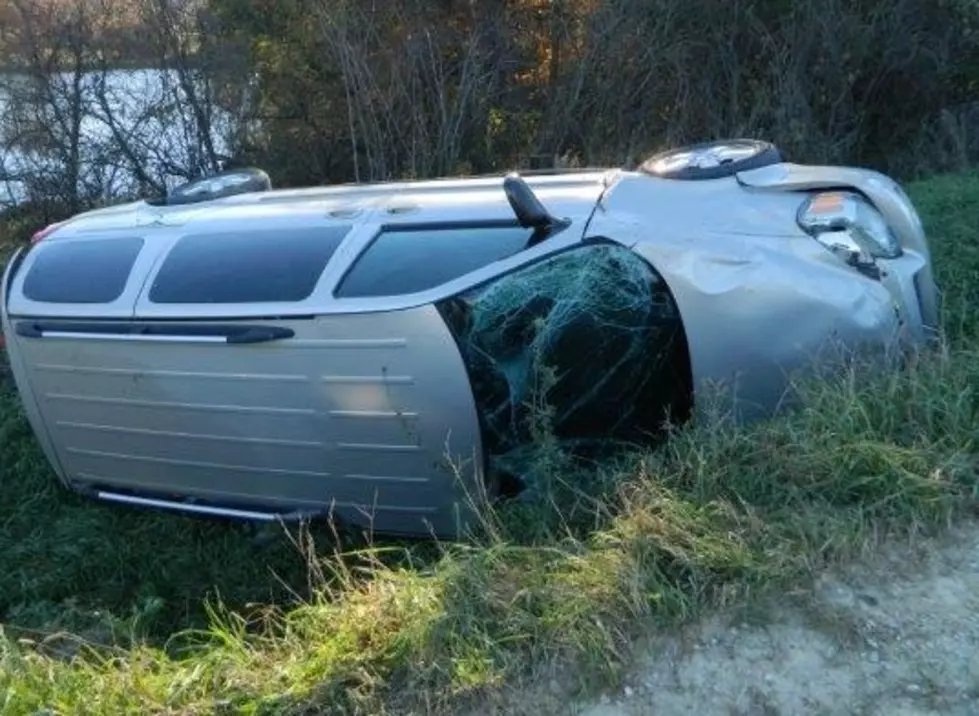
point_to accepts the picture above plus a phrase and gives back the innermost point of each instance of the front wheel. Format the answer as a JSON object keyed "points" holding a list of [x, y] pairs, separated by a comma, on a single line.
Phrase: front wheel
{"points": [[712, 160]]}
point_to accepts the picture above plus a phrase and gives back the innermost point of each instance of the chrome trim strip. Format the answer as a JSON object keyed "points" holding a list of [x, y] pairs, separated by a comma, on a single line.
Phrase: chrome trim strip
{"points": [[188, 507]]}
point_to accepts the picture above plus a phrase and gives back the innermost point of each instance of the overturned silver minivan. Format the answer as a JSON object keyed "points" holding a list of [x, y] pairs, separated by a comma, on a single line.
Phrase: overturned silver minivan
{"points": [[378, 351]]}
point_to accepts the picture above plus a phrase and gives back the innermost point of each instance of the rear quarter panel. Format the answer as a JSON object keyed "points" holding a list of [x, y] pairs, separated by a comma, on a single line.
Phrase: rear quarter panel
{"points": [[19, 372], [366, 414]]}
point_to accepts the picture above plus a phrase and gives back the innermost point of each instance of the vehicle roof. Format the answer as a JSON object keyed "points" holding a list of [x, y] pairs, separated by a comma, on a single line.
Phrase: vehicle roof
{"points": [[477, 197]]}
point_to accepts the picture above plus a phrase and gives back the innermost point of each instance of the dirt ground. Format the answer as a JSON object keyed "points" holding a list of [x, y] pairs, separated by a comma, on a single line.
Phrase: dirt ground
{"points": [[895, 637]]}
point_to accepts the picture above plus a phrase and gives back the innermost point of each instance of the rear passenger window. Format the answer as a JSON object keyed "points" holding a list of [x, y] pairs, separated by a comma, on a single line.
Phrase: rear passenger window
{"points": [[409, 260], [246, 266], [81, 271]]}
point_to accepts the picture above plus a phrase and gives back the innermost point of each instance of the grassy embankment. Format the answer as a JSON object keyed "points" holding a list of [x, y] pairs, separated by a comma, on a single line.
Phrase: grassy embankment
{"points": [[719, 514]]}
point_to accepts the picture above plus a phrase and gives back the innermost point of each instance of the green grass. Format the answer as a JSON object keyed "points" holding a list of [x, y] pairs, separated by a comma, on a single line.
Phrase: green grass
{"points": [[173, 615]]}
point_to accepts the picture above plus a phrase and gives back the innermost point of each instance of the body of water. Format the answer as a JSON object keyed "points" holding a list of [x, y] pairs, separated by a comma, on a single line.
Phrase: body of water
{"points": [[131, 121]]}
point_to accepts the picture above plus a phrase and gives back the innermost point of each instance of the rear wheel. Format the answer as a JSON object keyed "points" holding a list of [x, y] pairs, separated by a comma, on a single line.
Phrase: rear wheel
{"points": [[712, 160]]}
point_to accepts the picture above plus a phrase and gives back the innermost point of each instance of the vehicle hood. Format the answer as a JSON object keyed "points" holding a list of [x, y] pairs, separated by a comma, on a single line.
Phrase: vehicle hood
{"points": [[699, 208]]}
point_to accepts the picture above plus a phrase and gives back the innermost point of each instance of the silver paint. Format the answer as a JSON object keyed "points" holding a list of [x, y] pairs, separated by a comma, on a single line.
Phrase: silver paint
{"points": [[361, 409]]}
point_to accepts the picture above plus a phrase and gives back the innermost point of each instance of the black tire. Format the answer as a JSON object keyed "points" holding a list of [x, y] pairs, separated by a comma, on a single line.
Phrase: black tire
{"points": [[757, 154], [250, 180]]}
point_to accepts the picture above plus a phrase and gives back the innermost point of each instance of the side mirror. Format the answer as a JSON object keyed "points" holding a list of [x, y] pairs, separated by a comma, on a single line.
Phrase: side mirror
{"points": [[528, 209]]}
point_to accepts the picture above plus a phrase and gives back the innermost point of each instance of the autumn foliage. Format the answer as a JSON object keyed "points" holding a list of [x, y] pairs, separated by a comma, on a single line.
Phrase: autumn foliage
{"points": [[339, 90]]}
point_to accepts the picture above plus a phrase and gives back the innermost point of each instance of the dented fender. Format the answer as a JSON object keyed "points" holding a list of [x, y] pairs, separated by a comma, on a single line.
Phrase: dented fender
{"points": [[755, 308], [883, 192]]}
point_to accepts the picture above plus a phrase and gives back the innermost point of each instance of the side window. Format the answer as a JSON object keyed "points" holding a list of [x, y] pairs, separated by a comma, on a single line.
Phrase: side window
{"points": [[408, 260], [246, 266], [81, 271]]}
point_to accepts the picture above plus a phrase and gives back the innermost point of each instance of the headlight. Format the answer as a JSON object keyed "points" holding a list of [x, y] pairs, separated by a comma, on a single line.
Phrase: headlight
{"points": [[849, 213]]}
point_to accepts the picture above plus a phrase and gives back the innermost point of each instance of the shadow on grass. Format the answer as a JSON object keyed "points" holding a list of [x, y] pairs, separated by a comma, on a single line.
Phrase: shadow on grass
{"points": [[107, 572], [722, 510], [72, 564]]}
